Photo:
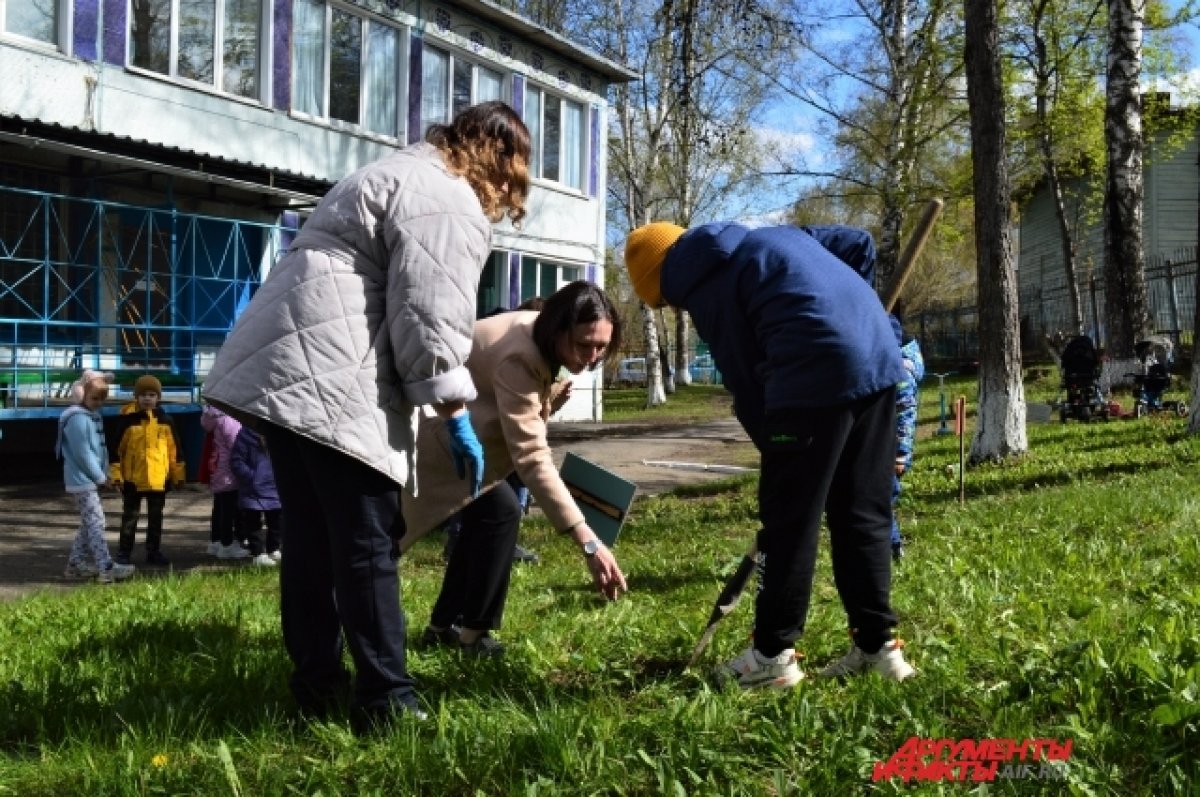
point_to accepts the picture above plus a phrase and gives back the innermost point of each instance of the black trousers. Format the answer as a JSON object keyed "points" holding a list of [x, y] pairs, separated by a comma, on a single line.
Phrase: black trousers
{"points": [[338, 582], [226, 522], [475, 585], [131, 506], [837, 462], [252, 521]]}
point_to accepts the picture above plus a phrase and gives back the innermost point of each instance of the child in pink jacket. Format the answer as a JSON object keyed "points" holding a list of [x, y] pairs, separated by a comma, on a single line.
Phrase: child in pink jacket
{"points": [[223, 484]]}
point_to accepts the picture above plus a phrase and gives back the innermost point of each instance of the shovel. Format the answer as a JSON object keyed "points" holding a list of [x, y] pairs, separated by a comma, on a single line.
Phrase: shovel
{"points": [[727, 601]]}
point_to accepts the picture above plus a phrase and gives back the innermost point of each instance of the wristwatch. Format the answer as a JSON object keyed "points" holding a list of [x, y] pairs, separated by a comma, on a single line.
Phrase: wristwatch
{"points": [[591, 546]]}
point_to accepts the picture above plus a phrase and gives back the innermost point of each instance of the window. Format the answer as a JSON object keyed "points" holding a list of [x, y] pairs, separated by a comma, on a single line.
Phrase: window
{"points": [[32, 19], [450, 84], [215, 42], [559, 132], [353, 75], [542, 278]]}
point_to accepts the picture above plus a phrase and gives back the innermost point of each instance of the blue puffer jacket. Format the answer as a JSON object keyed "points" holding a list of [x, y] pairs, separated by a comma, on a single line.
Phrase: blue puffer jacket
{"points": [[788, 324], [252, 468], [82, 448]]}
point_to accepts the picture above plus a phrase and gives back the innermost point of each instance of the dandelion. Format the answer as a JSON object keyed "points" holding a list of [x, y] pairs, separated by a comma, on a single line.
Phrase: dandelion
{"points": [[159, 761]]}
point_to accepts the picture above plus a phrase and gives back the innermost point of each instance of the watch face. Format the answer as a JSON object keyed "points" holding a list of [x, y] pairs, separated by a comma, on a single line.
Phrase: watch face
{"points": [[591, 546]]}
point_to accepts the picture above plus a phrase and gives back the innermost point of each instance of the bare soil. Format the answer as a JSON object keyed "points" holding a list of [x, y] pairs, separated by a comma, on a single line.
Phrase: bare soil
{"points": [[38, 520]]}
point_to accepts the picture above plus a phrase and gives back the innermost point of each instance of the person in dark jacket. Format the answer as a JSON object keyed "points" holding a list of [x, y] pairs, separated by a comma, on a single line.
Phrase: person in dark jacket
{"points": [[258, 499], [806, 348]]}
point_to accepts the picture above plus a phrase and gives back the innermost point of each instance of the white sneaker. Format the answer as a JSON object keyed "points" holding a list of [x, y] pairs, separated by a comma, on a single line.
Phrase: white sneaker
{"points": [[752, 670], [115, 572], [231, 551], [264, 560], [888, 662], [214, 548], [276, 554], [80, 570]]}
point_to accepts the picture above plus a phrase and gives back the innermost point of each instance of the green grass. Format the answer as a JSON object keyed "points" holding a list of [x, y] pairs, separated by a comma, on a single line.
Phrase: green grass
{"points": [[1059, 601], [687, 403]]}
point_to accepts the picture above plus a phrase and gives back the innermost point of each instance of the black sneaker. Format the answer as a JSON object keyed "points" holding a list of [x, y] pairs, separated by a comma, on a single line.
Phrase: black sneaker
{"points": [[897, 551], [432, 638], [370, 721], [157, 559], [122, 557], [484, 647], [523, 554]]}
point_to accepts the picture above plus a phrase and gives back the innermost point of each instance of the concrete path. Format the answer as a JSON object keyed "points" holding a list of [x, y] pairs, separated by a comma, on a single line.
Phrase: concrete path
{"points": [[38, 520]]}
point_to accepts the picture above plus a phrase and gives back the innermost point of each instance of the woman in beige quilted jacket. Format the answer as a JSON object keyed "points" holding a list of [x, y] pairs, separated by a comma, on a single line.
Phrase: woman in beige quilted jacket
{"points": [[366, 318]]}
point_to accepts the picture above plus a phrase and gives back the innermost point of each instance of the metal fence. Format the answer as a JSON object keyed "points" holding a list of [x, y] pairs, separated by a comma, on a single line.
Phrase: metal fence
{"points": [[951, 334], [123, 288]]}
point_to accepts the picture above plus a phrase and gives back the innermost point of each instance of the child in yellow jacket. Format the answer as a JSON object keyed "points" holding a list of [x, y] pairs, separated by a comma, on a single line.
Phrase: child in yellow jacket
{"points": [[146, 465]]}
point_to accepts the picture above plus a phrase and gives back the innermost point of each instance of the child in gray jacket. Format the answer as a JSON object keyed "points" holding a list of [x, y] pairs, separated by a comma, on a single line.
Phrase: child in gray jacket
{"points": [[85, 466]]}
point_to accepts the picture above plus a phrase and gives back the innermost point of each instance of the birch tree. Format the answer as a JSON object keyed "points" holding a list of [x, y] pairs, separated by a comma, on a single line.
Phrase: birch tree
{"points": [[1125, 300], [1057, 45], [1000, 421]]}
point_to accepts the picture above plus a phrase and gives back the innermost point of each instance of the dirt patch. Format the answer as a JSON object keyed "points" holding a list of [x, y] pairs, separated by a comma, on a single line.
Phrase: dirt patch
{"points": [[38, 520]]}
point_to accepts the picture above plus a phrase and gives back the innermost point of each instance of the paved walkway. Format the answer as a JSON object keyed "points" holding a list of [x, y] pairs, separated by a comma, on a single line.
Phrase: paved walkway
{"points": [[38, 521]]}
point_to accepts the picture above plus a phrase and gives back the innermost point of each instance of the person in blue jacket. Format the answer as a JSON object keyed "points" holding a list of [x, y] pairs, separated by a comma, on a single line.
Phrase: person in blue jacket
{"points": [[806, 348], [907, 403]]}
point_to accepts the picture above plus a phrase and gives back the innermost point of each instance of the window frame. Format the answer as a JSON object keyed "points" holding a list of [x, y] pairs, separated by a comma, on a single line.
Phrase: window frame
{"points": [[62, 27], [264, 70], [454, 57], [366, 19], [538, 133]]}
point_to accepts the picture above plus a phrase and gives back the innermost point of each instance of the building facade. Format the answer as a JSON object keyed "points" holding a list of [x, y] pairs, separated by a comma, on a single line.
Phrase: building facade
{"points": [[1170, 229], [157, 156]]}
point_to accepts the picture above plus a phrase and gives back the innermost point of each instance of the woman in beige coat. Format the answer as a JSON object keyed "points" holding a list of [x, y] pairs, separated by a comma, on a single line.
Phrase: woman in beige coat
{"points": [[513, 363]]}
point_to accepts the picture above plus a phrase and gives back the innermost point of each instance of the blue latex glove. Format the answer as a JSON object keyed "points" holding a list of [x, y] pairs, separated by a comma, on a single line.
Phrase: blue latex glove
{"points": [[466, 450]]}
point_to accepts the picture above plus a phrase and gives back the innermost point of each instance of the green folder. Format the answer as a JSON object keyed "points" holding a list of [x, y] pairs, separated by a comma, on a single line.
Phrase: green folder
{"points": [[602, 496]]}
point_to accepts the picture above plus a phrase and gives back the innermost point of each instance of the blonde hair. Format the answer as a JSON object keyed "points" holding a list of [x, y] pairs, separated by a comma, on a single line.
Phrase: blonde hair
{"points": [[489, 146], [89, 377]]}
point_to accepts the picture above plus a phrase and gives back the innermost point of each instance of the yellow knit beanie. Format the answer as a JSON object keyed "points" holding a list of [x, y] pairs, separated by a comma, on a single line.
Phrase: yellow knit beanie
{"points": [[645, 250], [147, 384]]}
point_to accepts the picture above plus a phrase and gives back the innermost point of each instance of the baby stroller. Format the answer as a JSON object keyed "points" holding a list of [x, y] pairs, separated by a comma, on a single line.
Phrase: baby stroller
{"points": [[1081, 382], [1155, 357]]}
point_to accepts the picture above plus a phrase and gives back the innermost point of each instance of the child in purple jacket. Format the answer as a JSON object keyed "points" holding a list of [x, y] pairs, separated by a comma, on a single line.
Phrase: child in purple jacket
{"points": [[226, 533], [257, 496]]}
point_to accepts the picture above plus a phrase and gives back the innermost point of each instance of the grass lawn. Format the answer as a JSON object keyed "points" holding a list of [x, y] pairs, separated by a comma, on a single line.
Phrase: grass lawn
{"points": [[1059, 602]]}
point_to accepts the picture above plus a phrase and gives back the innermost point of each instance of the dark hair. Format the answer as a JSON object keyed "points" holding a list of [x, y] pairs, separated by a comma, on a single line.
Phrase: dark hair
{"points": [[580, 302], [489, 146]]}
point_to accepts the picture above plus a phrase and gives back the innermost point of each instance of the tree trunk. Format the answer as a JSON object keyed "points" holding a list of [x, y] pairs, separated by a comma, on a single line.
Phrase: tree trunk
{"points": [[682, 353], [1125, 300], [1000, 423], [654, 382]]}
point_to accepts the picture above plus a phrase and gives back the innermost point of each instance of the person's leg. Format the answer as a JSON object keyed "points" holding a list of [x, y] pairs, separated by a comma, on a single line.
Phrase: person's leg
{"points": [[308, 612], [860, 521], [226, 509], [131, 504], [274, 529], [155, 502], [350, 546], [251, 525], [479, 571], [91, 513], [897, 540], [797, 467]]}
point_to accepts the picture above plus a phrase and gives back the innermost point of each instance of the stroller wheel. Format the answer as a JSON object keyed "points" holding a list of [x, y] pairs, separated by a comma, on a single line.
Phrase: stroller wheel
{"points": [[1181, 409]]}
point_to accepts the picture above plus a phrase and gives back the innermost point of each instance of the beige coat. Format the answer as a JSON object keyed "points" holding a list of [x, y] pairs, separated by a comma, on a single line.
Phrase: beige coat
{"points": [[509, 417], [367, 317]]}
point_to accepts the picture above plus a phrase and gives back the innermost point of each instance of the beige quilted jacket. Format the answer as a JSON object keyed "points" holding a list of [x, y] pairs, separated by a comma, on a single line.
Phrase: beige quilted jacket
{"points": [[368, 315]]}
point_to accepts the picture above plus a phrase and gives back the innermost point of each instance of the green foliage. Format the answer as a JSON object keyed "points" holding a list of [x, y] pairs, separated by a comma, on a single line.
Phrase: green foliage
{"points": [[1058, 602]]}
